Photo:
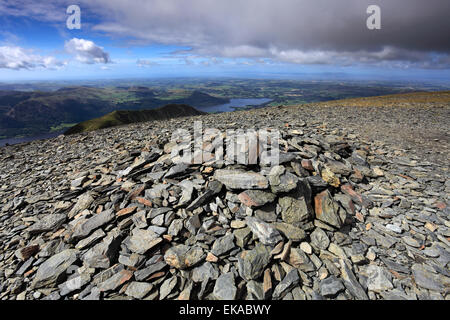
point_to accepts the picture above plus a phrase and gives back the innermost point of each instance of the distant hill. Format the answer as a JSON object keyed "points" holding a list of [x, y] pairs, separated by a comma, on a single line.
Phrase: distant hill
{"points": [[36, 112], [122, 117], [200, 99]]}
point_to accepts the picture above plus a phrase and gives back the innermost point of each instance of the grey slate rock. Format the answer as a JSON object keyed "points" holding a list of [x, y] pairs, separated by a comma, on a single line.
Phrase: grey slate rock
{"points": [[177, 170], [93, 238], [319, 239], [143, 274], [223, 245], [84, 201], [52, 271], [48, 222], [98, 220], [204, 272], [350, 281], [294, 210], [183, 256], [235, 179], [331, 286], [213, 188], [289, 231], [74, 283], [143, 240], [378, 279], [255, 290], [104, 254], [251, 263], [138, 290], [428, 280], [224, 288], [265, 232], [289, 281], [167, 287], [282, 181]]}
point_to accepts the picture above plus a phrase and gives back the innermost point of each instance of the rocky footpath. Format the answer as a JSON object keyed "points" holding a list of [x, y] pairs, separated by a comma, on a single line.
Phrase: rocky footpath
{"points": [[111, 215]]}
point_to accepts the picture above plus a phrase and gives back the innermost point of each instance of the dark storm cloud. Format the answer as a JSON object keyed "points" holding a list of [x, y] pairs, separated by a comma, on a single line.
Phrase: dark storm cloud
{"points": [[299, 31]]}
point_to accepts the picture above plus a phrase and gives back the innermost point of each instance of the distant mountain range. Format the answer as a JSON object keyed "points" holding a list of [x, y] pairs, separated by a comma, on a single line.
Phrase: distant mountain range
{"points": [[121, 117], [31, 113]]}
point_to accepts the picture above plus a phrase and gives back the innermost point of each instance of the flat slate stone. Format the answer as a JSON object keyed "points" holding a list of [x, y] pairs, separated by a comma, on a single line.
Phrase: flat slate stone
{"points": [[379, 279], [265, 232], [327, 209], [138, 290], [143, 240], [289, 281], [48, 222], [82, 230], [428, 280], [256, 198], [294, 211], [223, 245], [251, 263], [183, 256], [319, 239], [289, 231], [235, 180], [331, 286], [52, 271], [350, 281], [104, 254], [224, 288]]}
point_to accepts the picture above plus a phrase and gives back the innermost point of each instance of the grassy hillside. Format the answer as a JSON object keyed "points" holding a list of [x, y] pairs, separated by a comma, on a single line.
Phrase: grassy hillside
{"points": [[425, 98], [122, 117]]}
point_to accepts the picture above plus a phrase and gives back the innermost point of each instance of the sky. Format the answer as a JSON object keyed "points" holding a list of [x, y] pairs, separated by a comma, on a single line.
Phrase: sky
{"points": [[218, 38]]}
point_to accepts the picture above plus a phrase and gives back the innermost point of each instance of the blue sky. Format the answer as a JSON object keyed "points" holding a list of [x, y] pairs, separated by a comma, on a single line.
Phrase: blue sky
{"points": [[261, 38]]}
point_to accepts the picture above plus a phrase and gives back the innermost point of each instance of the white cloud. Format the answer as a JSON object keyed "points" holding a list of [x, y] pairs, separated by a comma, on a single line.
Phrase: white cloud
{"points": [[145, 63], [86, 51], [387, 56], [16, 58], [52, 11]]}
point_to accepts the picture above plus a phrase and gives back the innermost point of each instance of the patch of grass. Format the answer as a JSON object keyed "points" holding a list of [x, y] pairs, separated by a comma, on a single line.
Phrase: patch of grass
{"points": [[61, 127], [395, 99]]}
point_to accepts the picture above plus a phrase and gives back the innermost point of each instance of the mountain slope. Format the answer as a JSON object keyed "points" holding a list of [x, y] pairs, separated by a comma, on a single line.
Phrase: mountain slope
{"points": [[121, 117]]}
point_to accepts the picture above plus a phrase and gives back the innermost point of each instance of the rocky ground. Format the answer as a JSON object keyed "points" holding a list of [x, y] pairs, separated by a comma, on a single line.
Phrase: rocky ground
{"points": [[356, 209]]}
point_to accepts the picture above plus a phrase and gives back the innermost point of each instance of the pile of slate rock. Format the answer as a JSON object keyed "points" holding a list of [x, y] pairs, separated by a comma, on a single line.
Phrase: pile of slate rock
{"points": [[112, 215]]}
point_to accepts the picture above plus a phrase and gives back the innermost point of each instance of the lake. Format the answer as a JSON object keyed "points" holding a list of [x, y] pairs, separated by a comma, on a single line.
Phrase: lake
{"points": [[227, 107]]}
